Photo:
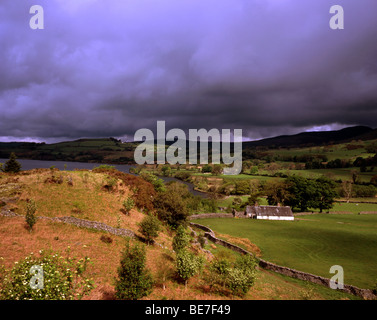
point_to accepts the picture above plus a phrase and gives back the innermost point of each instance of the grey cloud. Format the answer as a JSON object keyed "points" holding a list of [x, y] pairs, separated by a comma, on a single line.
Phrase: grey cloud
{"points": [[110, 68]]}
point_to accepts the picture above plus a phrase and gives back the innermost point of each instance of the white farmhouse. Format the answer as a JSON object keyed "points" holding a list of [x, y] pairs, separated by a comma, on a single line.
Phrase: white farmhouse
{"points": [[269, 212]]}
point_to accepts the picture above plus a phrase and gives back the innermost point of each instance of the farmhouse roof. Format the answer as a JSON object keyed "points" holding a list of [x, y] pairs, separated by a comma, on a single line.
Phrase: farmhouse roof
{"points": [[270, 211]]}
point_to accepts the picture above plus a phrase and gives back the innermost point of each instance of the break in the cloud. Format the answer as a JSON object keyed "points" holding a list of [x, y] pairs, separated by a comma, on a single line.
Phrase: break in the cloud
{"points": [[108, 68]]}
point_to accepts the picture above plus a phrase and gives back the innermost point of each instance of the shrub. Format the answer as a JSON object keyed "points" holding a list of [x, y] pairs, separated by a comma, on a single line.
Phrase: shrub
{"points": [[238, 282], [238, 278], [188, 264], [149, 227], [110, 184], [128, 205], [106, 239], [104, 167], [134, 281], [221, 266], [373, 180], [236, 204], [207, 168], [157, 183], [185, 176], [202, 241], [218, 270], [363, 191], [242, 277], [181, 240], [171, 205], [242, 187], [62, 278], [30, 217], [164, 270], [217, 169]]}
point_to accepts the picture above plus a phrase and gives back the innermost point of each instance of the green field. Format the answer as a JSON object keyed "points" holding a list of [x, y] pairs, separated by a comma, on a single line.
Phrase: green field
{"points": [[343, 207], [313, 243], [354, 207], [342, 173], [338, 151]]}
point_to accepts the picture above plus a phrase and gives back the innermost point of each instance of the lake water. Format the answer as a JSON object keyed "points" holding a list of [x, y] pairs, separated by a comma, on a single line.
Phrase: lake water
{"points": [[39, 164]]}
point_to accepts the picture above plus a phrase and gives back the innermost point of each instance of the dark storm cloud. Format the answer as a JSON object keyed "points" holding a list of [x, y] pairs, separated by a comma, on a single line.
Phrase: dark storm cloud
{"points": [[108, 68]]}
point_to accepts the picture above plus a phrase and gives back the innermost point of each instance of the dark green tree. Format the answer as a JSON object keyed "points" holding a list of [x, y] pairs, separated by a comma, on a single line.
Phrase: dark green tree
{"points": [[306, 193], [171, 205], [149, 228], [181, 240], [277, 192], [12, 165], [134, 280], [324, 194], [30, 217], [188, 264], [207, 168], [238, 277], [242, 187], [217, 169], [166, 171], [301, 192]]}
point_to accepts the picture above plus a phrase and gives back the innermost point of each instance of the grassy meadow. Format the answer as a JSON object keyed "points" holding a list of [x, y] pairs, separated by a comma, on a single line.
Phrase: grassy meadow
{"points": [[313, 243], [87, 199]]}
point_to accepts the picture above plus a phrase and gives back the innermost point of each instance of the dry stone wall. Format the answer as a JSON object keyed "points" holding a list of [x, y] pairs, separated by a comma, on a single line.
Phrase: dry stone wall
{"points": [[363, 293], [210, 215], [80, 223]]}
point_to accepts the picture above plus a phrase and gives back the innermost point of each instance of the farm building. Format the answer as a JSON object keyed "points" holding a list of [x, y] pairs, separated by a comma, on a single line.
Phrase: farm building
{"points": [[269, 212]]}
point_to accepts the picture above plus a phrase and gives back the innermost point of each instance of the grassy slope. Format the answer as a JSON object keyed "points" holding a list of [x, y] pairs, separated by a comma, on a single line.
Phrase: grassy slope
{"points": [[95, 204], [337, 151], [313, 243]]}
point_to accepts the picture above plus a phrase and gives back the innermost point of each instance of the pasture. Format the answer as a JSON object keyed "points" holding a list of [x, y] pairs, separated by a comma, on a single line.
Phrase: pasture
{"points": [[313, 243]]}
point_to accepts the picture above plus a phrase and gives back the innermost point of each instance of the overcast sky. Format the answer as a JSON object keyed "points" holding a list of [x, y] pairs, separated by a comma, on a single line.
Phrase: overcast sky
{"points": [[105, 68]]}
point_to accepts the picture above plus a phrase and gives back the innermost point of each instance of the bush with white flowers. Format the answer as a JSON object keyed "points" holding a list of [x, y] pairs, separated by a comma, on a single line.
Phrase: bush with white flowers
{"points": [[47, 276]]}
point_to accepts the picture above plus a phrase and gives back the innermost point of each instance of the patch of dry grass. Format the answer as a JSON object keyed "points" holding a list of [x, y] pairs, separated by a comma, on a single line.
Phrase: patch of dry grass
{"points": [[243, 243], [87, 199]]}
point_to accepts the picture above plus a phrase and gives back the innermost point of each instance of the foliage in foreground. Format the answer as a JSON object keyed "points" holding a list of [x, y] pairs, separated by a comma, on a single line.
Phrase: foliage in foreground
{"points": [[134, 281], [238, 278], [188, 264], [47, 277]]}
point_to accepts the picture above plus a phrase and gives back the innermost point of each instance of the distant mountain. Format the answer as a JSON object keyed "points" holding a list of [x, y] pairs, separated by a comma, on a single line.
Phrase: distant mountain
{"points": [[371, 135], [316, 138], [111, 150]]}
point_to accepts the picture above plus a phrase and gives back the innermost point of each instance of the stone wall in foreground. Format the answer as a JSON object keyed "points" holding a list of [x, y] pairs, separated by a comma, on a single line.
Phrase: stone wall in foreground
{"points": [[363, 293]]}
